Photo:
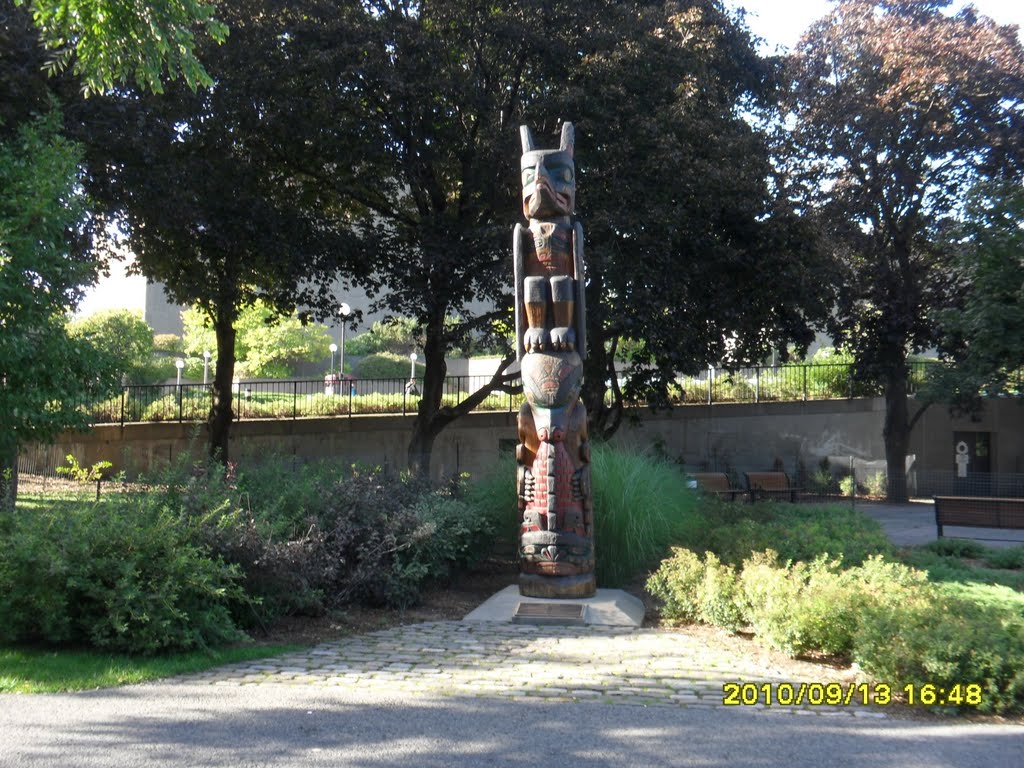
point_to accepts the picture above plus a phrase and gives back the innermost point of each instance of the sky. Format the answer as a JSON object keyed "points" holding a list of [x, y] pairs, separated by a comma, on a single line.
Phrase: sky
{"points": [[781, 22]]}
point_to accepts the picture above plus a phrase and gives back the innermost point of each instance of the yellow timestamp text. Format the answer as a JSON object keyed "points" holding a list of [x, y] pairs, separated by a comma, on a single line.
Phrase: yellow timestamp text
{"points": [[846, 694]]}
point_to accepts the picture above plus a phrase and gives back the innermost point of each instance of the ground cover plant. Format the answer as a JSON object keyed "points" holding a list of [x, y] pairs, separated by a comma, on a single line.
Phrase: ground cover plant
{"points": [[947, 615], [965, 561]]}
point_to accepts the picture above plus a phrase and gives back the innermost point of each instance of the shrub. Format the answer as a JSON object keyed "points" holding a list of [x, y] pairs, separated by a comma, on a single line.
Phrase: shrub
{"points": [[955, 547], [848, 486], [796, 533], [676, 586], [814, 606], [718, 593], [769, 596], [448, 536], [385, 365], [876, 484], [307, 540], [116, 578], [933, 638], [692, 590], [899, 628]]}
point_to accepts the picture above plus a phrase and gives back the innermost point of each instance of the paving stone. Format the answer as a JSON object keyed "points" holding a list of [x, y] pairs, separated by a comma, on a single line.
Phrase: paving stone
{"points": [[609, 665]]}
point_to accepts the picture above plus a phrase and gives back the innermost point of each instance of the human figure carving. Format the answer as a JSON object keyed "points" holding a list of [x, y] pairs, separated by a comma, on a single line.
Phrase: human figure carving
{"points": [[553, 456]]}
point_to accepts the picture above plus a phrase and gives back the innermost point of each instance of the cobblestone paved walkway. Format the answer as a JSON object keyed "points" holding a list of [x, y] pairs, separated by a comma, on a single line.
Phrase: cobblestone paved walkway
{"points": [[602, 664]]}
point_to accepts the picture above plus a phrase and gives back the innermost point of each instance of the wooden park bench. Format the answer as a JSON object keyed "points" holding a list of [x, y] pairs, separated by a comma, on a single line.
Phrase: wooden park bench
{"points": [[978, 512], [716, 483], [770, 485]]}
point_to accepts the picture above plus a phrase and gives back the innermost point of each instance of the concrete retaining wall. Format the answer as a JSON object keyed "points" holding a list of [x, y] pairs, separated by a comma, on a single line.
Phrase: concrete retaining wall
{"points": [[718, 437]]}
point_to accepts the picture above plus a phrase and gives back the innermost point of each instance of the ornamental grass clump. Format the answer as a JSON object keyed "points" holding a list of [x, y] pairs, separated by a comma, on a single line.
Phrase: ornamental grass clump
{"points": [[642, 507]]}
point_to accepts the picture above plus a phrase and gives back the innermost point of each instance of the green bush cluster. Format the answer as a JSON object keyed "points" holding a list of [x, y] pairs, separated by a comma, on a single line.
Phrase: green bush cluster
{"points": [[307, 540], [885, 616], [795, 532], [119, 579], [385, 365], [196, 556], [938, 637]]}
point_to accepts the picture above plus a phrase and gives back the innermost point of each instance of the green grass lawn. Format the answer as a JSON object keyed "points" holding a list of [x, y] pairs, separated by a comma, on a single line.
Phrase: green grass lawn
{"points": [[30, 670], [968, 563]]}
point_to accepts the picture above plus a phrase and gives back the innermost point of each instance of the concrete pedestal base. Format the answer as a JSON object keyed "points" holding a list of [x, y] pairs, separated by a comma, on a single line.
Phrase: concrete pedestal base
{"points": [[609, 607]]}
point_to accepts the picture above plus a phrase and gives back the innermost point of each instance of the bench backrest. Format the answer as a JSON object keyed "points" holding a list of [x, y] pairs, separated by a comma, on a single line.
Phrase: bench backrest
{"points": [[981, 511], [767, 481], [712, 481]]}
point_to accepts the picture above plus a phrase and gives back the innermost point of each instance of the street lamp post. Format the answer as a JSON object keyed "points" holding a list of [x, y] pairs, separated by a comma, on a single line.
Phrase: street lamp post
{"points": [[410, 388], [333, 348], [206, 365], [344, 310], [179, 364]]}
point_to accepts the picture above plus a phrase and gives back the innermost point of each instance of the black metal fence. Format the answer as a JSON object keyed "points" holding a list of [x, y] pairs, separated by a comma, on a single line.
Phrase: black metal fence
{"points": [[312, 398], [928, 483], [286, 399], [782, 383]]}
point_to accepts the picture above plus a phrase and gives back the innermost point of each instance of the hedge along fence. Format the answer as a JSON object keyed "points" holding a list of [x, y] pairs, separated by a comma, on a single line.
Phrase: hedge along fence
{"points": [[313, 398], [288, 399], [818, 381]]}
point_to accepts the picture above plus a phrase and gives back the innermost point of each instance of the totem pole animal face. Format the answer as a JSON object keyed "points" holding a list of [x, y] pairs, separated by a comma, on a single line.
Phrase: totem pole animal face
{"points": [[549, 176]]}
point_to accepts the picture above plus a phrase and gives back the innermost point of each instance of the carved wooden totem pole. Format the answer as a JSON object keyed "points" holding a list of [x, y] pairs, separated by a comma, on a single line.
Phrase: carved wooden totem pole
{"points": [[556, 540]]}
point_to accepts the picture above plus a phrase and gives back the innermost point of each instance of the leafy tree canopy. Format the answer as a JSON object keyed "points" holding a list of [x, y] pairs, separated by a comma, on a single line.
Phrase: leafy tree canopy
{"points": [[211, 213], [396, 335], [108, 42], [125, 336], [983, 338], [44, 373], [413, 129], [897, 109], [267, 345]]}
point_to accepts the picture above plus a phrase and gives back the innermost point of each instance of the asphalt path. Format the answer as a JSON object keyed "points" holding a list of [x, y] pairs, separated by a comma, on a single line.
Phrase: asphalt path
{"points": [[174, 724]]}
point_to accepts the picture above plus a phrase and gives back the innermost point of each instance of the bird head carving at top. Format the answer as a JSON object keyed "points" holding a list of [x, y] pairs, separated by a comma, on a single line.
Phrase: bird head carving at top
{"points": [[549, 176]]}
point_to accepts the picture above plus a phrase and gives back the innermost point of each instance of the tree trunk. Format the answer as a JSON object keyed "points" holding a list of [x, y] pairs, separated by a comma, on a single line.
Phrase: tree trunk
{"points": [[896, 433], [9, 479], [603, 420], [421, 446], [429, 420], [219, 420]]}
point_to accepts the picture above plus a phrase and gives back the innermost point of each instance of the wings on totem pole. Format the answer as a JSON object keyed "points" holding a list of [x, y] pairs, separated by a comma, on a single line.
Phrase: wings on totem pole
{"points": [[521, 240]]}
